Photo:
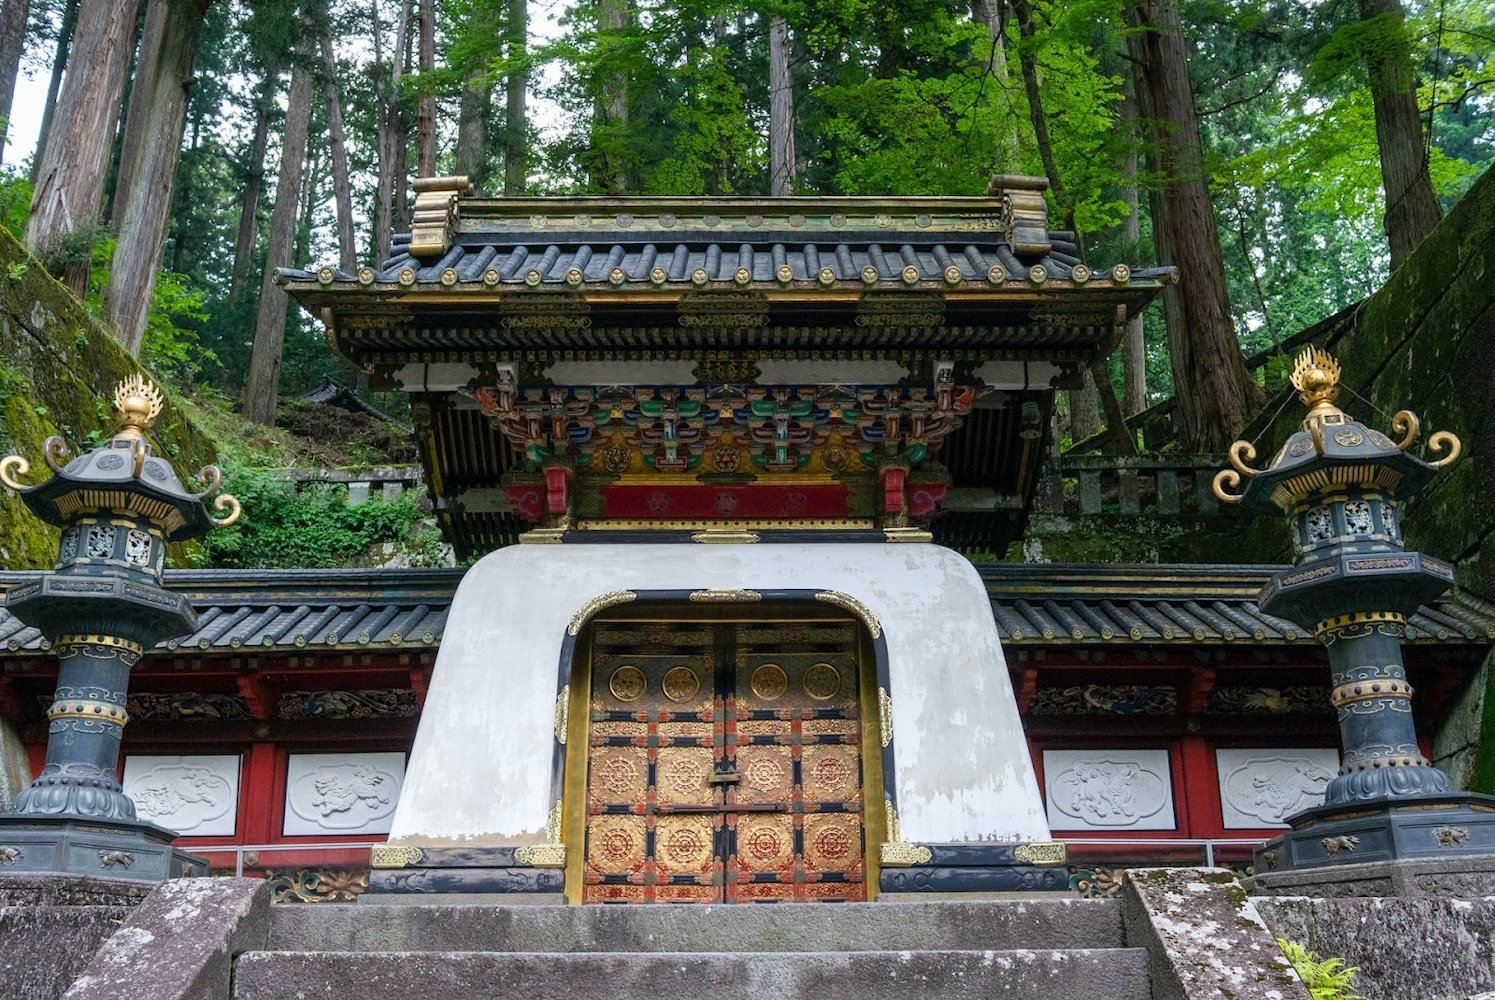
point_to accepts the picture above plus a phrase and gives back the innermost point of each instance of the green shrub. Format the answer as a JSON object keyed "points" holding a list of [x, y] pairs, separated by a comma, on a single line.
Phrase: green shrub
{"points": [[313, 527]]}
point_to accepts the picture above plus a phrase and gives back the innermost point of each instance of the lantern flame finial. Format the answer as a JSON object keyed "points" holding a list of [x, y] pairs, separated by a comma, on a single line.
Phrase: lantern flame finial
{"points": [[137, 402]]}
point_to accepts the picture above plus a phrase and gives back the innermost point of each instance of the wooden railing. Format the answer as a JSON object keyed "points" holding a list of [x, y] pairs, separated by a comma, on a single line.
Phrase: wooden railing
{"points": [[1130, 485]]}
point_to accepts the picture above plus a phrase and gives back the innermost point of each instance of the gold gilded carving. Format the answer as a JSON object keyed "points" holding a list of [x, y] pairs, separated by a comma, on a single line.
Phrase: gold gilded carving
{"points": [[7, 476], [725, 537], [562, 712], [552, 853], [1444, 441], [137, 403], [900, 855], [599, 603], [681, 684], [1044, 853], [385, 856], [726, 595], [822, 681], [628, 683], [885, 714], [542, 855], [907, 534], [769, 682], [542, 536], [1450, 836], [1406, 424], [1333, 845], [853, 605]]}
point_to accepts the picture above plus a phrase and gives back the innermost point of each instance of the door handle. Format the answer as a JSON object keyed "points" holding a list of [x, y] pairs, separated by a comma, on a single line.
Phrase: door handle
{"points": [[724, 778]]}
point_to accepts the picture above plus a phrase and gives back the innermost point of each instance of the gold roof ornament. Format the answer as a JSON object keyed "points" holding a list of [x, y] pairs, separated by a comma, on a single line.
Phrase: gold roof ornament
{"points": [[137, 403], [1331, 447]]}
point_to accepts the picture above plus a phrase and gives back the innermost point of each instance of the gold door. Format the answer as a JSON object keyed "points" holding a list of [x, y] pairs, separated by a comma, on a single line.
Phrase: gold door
{"points": [[724, 764]]}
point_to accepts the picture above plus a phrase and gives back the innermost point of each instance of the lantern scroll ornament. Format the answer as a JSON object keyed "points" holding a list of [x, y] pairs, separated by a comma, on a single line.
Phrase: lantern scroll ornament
{"points": [[102, 607], [1340, 485]]}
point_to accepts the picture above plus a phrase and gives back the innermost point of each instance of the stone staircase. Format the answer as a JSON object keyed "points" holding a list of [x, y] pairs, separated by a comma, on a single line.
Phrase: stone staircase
{"points": [[1061, 949]]}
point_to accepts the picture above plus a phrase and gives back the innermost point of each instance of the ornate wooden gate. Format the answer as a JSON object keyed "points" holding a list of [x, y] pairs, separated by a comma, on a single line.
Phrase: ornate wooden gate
{"points": [[724, 763]]}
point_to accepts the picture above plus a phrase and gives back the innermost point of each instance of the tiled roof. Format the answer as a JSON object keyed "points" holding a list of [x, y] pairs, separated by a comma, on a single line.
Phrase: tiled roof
{"points": [[1034, 605], [495, 262]]}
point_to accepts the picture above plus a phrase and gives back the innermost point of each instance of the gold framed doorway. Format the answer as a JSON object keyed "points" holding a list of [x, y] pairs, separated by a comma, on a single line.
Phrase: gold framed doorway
{"points": [[714, 756]]}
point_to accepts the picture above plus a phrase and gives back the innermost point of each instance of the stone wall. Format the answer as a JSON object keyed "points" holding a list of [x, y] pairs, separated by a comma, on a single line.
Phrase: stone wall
{"points": [[58, 369]]}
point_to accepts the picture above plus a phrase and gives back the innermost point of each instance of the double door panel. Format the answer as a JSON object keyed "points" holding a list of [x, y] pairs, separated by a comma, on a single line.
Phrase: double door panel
{"points": [[724, 764]]}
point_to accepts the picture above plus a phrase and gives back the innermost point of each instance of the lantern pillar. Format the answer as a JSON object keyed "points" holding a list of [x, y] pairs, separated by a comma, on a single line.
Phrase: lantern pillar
{"points": [[101, 608]]}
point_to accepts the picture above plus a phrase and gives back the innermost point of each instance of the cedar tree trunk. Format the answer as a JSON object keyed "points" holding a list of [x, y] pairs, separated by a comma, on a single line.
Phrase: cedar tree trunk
{"points": [[70, 180], [262, 390], [1216, 394], [148, 161], [425, 118], [59, 66], [612, 103], [342, 188], [781, 111], [1412, 210], [1133, 343], [12, 41], [989, 14], [516, 123], [254, 185]]}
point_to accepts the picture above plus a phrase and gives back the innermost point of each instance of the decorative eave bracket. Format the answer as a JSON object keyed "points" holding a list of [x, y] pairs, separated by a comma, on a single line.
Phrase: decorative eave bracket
{"points": [[437, 201]]}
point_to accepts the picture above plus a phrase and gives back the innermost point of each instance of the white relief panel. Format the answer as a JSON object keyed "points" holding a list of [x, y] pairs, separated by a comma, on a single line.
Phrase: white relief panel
{"points": [[342, 793], [192, 796], [1260, 788], [1108, 789]]}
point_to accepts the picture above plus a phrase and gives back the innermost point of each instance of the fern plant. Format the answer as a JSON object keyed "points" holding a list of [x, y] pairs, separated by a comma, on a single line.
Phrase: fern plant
{"points": [[1326, 978]]}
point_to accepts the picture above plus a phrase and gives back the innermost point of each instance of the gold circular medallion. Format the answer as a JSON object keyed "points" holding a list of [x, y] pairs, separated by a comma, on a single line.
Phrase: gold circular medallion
{"points": [[822, 681], [627, 683], [681, 684], [770, 682]]}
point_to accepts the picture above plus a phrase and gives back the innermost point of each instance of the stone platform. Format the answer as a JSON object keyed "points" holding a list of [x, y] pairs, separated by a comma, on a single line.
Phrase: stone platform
{"points": [[1457, 877]]}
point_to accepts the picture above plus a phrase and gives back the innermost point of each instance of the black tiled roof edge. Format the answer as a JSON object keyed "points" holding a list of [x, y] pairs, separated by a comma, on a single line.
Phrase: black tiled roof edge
{"points": [[1034, 605], [975, 254]]}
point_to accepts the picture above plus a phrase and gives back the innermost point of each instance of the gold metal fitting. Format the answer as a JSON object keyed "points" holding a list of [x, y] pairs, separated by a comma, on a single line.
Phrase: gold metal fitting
{"points": [[573, 276], [658, 275], [826, 277], [407, 276], [699, 276], [532, 277], [953, 275], [742, 276], [449, 277], [10, 467], [616, 276], [1080, 274], [784, 274], [1038, 274], [911, 275], [869, 275], [996, 277]]}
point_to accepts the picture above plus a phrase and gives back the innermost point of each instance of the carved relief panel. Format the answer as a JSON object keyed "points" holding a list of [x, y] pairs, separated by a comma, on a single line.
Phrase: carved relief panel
{"points": [[723, 764], [1108, 790], [1261, 788], [193, 796], [338, 794]]}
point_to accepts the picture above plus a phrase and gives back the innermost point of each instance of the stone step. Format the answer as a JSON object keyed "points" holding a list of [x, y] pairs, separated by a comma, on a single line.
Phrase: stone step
{"points": [[913, 926], [1082, 974]]}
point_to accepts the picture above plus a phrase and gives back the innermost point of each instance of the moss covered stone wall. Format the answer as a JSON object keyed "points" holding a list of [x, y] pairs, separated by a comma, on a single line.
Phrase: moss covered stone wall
{"points": [[58, 369]]}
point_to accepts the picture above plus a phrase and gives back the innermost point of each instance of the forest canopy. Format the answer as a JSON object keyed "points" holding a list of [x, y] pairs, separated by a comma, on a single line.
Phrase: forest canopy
{"points": [[1253, 142]]}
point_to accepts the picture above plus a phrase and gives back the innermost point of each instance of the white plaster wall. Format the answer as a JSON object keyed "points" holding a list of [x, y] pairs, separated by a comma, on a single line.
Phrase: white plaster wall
{"points": [[480, 770]]}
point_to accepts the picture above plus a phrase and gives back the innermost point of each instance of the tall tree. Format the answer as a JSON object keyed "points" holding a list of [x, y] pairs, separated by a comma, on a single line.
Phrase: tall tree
{"points": [[69, 190], [781, 110], [13, 15], [148, 160], [991, 14], [1216, 393], [337, 139], [425, 117], [391, 136], [263, 388], [516, 85], [1134, 343], [612, 101], [472, 125], [1412, 210], [253, 179], [59, 67]]}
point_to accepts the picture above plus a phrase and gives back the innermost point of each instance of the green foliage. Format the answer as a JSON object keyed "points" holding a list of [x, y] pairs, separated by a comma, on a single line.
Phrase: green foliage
{"points": [[170, 346], [1327, 978], [313, 527], [15, 202]]}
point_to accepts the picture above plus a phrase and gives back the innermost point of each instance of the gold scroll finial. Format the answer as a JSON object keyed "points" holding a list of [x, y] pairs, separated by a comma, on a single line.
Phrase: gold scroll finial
{"points": [[137, 403]]}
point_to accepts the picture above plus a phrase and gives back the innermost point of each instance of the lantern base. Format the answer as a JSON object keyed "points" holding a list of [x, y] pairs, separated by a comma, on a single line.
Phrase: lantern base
{"points": [[1454, 832], [103, 848]]}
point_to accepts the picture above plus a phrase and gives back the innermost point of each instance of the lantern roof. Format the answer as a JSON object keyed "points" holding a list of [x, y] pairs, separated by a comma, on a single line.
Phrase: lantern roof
{"points": [[124, 474]]}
